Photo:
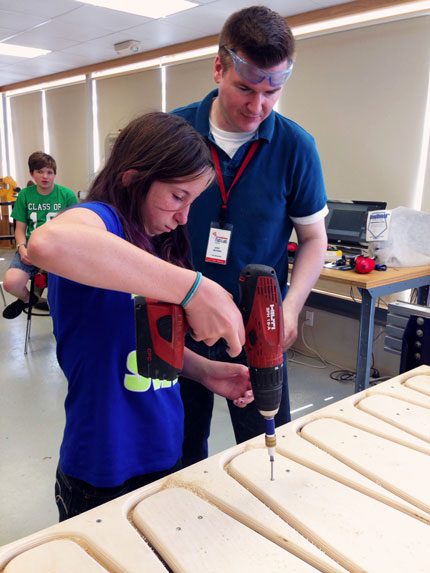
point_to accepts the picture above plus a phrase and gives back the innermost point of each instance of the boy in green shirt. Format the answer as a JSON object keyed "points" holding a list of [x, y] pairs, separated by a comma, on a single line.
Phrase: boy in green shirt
{"points": [[35, 205]]}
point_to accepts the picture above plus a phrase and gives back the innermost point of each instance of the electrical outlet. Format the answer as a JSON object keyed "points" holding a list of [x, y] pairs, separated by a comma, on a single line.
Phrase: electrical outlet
{"points": [[309, 318]]}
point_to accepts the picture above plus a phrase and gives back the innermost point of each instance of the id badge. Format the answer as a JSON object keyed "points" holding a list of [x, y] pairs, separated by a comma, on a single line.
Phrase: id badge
{"points": [[218, 243]]}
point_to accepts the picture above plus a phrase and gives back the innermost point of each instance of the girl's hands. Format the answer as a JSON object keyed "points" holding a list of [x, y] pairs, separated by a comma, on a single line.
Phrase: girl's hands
{"points": [[212, 315], [224, 378], [230, 381]]}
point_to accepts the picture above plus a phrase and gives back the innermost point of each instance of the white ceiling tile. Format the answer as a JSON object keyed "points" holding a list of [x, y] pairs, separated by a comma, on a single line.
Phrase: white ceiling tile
{"points": [[206, 19], [158, 34], [5, 33], [42, 38], [51, 63], [111, 20], [153, 34], [8, 61], [291, 7], [42, 8], [17, 21], [81, 31], [283, 7], [91, 50], [328, 3], [9, 76]]}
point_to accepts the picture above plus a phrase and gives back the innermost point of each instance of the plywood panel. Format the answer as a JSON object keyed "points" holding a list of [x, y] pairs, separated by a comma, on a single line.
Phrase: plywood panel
{"points": [[397, 468], [346, 524], [195, 536], [350, 494], [420, 383], [60, 556], [409, 417]]}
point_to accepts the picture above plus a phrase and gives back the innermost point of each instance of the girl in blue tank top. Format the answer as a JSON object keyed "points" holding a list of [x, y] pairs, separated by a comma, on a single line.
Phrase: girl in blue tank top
{"points": [[124, 430]]}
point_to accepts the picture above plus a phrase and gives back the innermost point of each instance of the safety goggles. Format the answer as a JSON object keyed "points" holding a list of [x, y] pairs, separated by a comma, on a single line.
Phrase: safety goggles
{"points": [[255, 75]]}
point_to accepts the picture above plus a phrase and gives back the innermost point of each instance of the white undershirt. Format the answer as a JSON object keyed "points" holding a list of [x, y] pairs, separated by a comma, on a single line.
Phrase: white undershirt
{"points": [[229, 141]]}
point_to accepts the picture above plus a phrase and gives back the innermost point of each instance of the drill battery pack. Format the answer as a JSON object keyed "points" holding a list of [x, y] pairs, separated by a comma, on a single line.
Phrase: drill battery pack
{"points": [[160, 338]]}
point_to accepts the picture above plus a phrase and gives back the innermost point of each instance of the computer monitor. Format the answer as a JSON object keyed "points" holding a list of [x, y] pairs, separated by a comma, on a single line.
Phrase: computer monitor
{"points": [[346, 221]]}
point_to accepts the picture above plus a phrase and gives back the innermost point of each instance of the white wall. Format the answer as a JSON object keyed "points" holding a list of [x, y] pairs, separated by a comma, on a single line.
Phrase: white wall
{"points": [[363, 95]]}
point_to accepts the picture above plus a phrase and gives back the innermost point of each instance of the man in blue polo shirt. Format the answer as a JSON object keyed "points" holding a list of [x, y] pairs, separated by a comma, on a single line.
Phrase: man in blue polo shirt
{"points": [[269, 181]]}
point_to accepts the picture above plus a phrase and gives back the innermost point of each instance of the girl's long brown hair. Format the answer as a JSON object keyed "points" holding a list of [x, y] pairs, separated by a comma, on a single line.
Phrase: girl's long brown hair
{"points": [[159, 147]]}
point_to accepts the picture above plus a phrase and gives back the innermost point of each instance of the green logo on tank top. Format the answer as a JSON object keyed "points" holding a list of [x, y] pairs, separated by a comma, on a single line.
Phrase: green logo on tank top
{"points": [[137, 383]]}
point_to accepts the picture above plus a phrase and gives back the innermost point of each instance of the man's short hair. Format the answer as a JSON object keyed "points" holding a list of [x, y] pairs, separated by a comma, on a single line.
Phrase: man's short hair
{"points": [[40, 160], [260, 34]]}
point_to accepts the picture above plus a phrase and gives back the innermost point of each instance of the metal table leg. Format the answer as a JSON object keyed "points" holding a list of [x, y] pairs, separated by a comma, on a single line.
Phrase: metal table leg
{"points": [[423, 295], [2, 293], [365, 340]]}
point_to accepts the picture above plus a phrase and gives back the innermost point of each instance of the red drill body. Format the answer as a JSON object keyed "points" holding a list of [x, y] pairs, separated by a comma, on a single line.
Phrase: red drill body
{"points": [[261, 307]]}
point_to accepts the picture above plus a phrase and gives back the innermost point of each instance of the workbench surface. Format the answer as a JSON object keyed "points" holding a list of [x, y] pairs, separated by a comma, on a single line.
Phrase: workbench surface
{"points": [[351, 493]]}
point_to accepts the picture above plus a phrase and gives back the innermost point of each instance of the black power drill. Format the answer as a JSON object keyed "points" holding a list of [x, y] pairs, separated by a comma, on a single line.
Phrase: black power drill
{"points": [[261, 308]]}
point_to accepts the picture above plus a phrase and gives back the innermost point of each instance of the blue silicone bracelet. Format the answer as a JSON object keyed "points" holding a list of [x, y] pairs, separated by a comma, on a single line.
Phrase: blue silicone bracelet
{"points": [[192, 290]]}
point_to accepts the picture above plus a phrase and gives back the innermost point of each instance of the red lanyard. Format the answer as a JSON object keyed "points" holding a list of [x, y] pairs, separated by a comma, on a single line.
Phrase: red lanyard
{"points": [[226, 194]]}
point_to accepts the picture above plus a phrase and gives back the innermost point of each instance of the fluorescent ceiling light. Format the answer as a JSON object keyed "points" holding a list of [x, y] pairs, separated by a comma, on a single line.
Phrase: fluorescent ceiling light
{"points": [[21, 51], [406, 9], [153, 9]]}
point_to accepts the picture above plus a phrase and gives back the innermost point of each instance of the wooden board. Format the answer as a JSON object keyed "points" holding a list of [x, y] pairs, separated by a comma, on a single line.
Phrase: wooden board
{"points": [[350, 494], [346, 524], [397, 468], [194, 536], [419, 383], [60, 556], [375, 278], [409, 417]]}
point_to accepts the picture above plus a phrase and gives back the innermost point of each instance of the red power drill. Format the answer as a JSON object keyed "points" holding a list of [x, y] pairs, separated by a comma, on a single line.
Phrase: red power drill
{"points": [[160, 338], [261, 308]]}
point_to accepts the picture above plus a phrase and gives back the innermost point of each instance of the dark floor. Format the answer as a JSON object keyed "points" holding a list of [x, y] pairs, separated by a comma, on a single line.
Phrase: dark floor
{"points": [[32, 418]]}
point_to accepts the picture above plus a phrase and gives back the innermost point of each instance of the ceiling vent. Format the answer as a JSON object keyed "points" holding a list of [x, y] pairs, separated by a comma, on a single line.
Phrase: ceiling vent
{"points": [[127, 48]]}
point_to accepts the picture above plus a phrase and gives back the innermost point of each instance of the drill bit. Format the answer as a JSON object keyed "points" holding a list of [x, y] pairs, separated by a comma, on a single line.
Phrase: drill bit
{"points": [[270, 439]]}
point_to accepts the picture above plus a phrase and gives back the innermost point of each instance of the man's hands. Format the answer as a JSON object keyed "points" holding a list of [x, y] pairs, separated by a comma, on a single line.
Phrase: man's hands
{"points": [[291, 320], [212, 315], [308, 263]]}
